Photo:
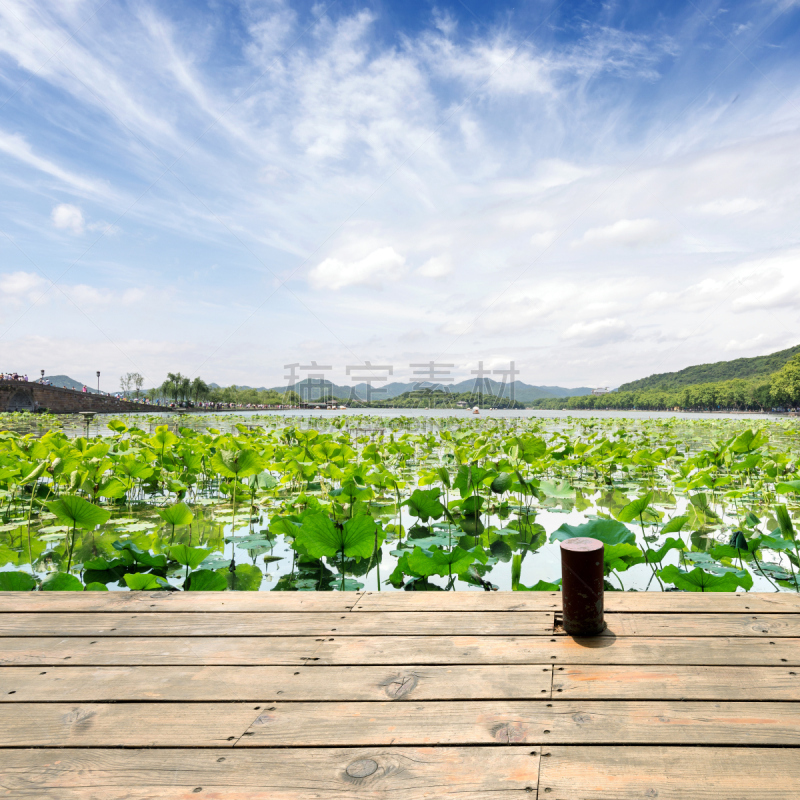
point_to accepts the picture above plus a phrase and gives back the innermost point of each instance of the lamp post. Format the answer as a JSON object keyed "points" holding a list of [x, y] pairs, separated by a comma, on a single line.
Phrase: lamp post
{"points": [[42, 378], [98, 381]]}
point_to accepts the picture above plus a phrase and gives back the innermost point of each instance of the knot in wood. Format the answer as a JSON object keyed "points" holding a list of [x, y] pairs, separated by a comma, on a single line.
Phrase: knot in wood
{"points": [[362, 768]]}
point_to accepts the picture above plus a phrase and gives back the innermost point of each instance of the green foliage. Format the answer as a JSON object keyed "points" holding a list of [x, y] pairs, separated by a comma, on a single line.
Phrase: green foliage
{"points": [[608, 531], [699, 580], [143, 582], [77, 512], [455, 500], [425, 504], [190, 557], [206, 580], [179, 514], [760, 366], [320, 536], [236, 463], [62, 582], [16, 582]]}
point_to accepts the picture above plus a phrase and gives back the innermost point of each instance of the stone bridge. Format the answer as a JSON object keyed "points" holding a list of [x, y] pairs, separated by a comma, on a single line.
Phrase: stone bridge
{"points": [[31, 396]]}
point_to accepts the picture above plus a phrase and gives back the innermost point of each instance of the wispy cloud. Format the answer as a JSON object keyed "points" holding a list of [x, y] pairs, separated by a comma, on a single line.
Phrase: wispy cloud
{"points": [[340, 180]]}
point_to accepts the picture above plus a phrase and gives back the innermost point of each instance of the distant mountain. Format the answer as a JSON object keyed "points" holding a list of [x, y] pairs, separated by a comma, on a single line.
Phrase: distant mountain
{"points": [[65, 382], [760, 366], [523, 392]]}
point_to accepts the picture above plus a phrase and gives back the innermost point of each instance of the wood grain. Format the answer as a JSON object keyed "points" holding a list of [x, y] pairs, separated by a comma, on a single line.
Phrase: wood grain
{"points": [[284, 624], [533, 722], [199, 602], [461, 773], [675, 683], [400, 623], [396, 650], [125, 724], [558, 650], [186, 602], [748, 624], [281, 724], [636, 602], [98, 684], [669, 773]]}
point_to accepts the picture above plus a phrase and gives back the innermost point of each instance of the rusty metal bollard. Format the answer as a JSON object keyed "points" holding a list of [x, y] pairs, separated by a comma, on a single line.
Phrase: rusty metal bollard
{"points": [[582, 586]]}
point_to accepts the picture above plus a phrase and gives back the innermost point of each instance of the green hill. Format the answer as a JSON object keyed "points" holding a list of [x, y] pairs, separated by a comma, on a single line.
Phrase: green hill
{"points": [[760, 366]]}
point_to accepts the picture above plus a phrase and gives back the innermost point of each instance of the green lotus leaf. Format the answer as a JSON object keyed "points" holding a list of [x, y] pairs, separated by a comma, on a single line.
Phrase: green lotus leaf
{"points": [[62, 582], [78, 512], [321, 537], [16, 582], [176, 515], [143, 581], [190, 557], [502, 483], [237, 463], [247, 577], [698, 580], [424, 504], [608, 531], [206, 580], [541, 586], [636, 509]]}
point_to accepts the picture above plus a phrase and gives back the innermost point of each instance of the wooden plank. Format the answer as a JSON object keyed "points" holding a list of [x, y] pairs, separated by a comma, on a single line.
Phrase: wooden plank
{"points": [[533, 722], [400, 650], [98, 684], [635, 602], [475, 623], [669, 773], [187, 602], [473, 722], [74, 651], [125, 724], [196, 602], [674, 683], [558, 650], [629, 624], [400, 623], [280, 774]]}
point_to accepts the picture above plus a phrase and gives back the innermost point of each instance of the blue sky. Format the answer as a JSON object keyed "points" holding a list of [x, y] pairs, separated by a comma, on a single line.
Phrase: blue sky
{"points": [[596, 191]]}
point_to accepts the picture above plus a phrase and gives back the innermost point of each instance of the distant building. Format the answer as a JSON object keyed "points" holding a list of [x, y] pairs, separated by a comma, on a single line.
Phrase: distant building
{"points": [[606, 390]]}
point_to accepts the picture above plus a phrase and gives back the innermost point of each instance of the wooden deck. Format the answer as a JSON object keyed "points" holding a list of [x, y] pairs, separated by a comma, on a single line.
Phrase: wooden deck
{"points": [[467, 695]]}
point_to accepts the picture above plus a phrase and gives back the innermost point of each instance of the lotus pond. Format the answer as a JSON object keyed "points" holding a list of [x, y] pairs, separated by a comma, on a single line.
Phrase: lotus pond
{"points": [[424, 503]]}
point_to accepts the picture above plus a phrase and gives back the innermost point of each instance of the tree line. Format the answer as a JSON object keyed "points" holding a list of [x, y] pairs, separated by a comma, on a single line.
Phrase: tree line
{"points": [[178, 388], [781, 389]]}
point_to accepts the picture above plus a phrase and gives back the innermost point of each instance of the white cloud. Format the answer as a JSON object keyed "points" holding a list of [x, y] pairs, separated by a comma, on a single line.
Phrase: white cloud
{"points": [[444, 152], [726, 207], [436, 267], [16, 287], [68, 217], [543, 240], [381, 265], [602, 331], [17, 147], [627, 233], [769, 283]]}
